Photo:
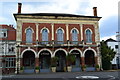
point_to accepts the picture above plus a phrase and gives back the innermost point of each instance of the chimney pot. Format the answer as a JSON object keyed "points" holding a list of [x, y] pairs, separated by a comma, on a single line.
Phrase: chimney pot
{"points": [[19, 7], [95, 11]]}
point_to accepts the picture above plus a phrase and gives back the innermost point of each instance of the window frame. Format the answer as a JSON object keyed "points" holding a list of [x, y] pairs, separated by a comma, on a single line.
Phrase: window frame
{"points": [[90, 36]]}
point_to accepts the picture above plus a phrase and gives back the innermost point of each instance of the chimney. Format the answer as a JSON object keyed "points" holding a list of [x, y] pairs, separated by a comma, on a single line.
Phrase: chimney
{"points": [[95, 11], [19, 7]]}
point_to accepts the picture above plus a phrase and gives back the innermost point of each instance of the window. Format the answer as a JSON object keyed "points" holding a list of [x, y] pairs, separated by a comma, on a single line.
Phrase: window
{"points": [[1, 65], [3, 33], [116, 46], [1, 48], [45, 36], [60, 36], [29, 35], [74, 36], [10, 62], [88, 36], [11, 48]]}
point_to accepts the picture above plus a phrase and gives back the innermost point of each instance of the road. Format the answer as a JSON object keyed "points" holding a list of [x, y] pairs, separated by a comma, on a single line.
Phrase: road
{"points": [[103, 75]]}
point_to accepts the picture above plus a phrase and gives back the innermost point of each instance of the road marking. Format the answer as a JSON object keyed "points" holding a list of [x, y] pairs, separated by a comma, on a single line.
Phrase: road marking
{"points": [[111, 77], [87, 77]]}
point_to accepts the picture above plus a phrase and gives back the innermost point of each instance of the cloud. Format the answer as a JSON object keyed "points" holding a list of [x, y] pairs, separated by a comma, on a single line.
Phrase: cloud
{"points": [[53, 7], [109, 26], [107, 37], [108, 10]]}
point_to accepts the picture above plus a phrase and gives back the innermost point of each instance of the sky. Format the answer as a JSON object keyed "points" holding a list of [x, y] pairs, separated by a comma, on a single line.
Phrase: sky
{"points": [[107, 9]]}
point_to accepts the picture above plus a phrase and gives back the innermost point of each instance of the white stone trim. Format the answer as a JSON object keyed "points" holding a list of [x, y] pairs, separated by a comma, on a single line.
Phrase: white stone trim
{"points": [[52, 31], [67, 31], [44, 28], [29, 50], [37, 31], [30, 28], [81, 29], [59, 50], [45, 49], [61, 29], [76, 50], [88, 29], [75, 29], [95, 53]]}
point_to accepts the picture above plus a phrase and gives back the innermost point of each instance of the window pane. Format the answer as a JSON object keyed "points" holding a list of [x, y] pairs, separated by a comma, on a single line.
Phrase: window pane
{"points": [[29, 35], [60, 36], [88, 36], [45, 36], [74, 36]]}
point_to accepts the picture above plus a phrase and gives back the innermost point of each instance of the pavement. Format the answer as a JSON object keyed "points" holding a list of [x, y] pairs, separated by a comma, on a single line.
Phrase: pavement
{"points": [[101, 75]]}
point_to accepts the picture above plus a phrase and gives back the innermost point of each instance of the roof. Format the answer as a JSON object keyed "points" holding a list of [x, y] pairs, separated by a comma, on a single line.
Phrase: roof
{"points": [[55, 14], [110, 40]]}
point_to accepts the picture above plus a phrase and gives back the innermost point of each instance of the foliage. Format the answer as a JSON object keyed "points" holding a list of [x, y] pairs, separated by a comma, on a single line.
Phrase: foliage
{"points": [[21, 68], [37, 68], [97, 66], [107, 55], [54, 61], [84, 66], [70, 59]]}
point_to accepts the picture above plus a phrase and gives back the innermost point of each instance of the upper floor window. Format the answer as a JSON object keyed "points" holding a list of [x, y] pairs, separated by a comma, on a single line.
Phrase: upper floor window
{"points": [[3, 33], [45, 36], [2, 49], [29, 35], [88, 36], [60, 36], [11, 48], [74, 36]]}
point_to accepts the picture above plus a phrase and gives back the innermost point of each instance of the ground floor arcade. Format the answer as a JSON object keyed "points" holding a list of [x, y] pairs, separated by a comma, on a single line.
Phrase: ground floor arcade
{"points": [[30, 59]]}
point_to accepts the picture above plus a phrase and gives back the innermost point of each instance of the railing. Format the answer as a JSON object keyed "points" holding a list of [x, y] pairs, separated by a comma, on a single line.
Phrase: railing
{"points": [[56, 43]]}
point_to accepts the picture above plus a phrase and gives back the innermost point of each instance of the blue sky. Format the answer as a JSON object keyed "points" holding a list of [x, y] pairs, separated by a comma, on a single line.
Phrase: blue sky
{"points": [[107, 9]]}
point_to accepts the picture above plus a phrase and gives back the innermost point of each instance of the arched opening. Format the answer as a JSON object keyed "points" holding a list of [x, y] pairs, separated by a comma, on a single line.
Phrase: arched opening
{"points": [[29, 61], [76, 65], [61, 63], [89, 58], [77, 58], [44, 58]]}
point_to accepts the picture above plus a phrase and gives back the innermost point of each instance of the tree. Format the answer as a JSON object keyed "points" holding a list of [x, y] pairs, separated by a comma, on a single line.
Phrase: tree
{"points": [[70, 58], [107, 55]]}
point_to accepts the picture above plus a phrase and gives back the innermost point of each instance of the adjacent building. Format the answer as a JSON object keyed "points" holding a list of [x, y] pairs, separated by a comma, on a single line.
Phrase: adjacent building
{"points": [[7, 48], [41, 36], [114, 44]]}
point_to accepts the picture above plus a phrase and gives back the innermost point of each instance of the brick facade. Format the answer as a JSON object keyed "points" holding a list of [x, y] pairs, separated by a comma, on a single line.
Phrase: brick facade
{"points": [[52, 22]]}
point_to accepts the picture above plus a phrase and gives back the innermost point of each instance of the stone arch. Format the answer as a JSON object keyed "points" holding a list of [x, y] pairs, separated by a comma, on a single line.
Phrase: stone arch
{"points": [[95, 53], [75, 29], [44, 28], [61, 29], [28, 50], [59, 50], [77, 50], [29, 28], [45, 50], [88, 29]]}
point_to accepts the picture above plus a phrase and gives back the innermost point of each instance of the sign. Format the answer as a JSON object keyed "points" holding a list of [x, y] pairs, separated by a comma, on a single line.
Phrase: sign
{"points": [[45, 54]]}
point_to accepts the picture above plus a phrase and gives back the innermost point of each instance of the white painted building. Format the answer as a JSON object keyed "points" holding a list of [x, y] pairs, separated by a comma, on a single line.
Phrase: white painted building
{"points": [[114, 45]]}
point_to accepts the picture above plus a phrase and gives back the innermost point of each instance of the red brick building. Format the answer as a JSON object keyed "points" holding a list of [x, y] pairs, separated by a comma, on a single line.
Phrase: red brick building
{"points": [[7, 48], [41, 36]]}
